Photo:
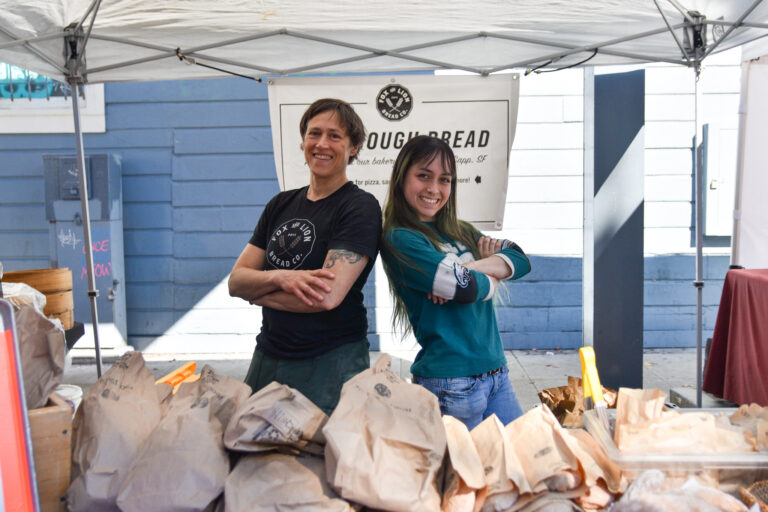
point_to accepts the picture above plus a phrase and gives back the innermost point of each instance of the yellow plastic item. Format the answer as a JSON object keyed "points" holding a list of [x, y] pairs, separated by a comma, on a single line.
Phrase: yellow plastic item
{"points": [[192, 378], [589, 378], [593, 390], [178, 375]]}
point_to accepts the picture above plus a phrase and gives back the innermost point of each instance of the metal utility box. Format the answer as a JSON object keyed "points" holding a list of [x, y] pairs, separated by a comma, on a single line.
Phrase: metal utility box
{"points": [[105, 206]]}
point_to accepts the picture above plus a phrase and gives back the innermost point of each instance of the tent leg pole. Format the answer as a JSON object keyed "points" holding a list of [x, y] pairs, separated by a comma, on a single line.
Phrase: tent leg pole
{"points": [[736, 233], [699, 185], [92, 291]]}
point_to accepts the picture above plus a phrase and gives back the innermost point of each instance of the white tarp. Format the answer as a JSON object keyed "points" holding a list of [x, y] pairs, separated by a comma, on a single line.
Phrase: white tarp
{"points": [[476, 115], [136, 39], [750, 237]]}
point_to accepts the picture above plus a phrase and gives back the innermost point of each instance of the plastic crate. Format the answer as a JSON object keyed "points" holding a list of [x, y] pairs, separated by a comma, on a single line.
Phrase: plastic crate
{"points": [[633, 463]]}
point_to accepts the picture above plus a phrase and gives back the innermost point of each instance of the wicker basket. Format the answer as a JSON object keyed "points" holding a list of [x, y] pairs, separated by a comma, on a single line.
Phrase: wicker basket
{"points": [[55, 284], [756, 493]]}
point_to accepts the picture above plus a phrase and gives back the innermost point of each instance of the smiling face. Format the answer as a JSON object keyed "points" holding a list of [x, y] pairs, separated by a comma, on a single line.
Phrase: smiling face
{"points": [[427, 187], [327, 147]]}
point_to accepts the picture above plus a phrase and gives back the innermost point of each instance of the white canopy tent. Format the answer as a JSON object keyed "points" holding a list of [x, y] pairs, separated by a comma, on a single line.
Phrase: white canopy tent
{"points": [[93, 41], [136, 40]]}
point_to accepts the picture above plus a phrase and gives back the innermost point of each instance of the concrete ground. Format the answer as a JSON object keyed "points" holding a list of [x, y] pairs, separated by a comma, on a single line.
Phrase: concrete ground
{"points": [[671, 370]]}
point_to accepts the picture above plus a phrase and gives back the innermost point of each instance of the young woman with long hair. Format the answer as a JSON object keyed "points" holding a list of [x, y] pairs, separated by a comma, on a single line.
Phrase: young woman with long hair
{"points": [[443, 274]]}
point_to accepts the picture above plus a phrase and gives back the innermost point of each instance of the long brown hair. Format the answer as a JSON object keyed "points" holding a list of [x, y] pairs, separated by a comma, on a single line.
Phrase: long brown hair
{"points": [[422, 150]]}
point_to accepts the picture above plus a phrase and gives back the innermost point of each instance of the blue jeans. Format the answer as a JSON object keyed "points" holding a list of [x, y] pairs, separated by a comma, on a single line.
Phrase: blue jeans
{"points": [[473, 399]]}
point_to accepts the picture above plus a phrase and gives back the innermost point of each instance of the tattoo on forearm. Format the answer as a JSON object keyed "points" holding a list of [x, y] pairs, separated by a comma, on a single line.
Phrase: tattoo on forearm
{"points": [[335, 255]]}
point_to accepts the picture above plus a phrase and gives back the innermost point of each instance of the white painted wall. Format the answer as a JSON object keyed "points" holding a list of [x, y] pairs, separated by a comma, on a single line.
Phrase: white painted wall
{"points": [[544, 197]]}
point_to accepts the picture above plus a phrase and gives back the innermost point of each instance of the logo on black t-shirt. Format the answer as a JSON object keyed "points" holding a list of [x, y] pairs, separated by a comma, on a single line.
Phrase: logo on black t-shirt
{"points": [[291, 243]]}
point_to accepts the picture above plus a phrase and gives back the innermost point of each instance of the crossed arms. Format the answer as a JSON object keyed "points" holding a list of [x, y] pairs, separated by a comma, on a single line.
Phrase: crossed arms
{"points": [[493, 266], [297, 291]]}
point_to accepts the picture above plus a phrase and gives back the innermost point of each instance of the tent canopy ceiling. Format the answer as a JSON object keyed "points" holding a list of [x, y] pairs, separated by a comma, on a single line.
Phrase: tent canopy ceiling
{"points": [[137, 40]]}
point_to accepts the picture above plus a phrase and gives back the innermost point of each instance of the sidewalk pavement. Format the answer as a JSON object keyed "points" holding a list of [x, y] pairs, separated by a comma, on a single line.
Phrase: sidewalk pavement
{"points": [[671, 370]]}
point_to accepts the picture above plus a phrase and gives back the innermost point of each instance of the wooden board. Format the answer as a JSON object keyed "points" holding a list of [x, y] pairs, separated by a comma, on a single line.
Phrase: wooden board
{"points": [[51, 428]]}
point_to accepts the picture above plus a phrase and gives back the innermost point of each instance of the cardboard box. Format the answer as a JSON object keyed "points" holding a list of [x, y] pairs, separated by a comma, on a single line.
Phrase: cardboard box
{"points": [[51, 429]]}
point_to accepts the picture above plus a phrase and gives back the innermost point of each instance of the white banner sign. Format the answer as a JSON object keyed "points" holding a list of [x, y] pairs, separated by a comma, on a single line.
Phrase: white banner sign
{"points": [[475, 115]]}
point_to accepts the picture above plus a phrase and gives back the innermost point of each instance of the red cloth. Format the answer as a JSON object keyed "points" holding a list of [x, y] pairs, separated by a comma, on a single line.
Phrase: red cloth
{"points": [[737, 367]]}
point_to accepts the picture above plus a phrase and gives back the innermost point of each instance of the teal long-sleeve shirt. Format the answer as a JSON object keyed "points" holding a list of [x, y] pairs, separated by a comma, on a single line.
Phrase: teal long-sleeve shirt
{"points": [[459, 338]]}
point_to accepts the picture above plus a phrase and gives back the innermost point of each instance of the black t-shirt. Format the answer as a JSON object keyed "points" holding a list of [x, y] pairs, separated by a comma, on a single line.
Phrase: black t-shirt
{"points": [[296, 234]]}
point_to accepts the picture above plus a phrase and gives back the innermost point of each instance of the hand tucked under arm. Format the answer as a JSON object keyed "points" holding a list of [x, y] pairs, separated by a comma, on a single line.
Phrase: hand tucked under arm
{"points": [[488, 246], [250, 281], [307, 286], [346, 266], [285, 301], [436, 299], [492, 266], [517, 263]]}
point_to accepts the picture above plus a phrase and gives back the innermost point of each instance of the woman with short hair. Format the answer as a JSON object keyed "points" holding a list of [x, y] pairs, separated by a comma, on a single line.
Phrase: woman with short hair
{"points": [[306, 264]]}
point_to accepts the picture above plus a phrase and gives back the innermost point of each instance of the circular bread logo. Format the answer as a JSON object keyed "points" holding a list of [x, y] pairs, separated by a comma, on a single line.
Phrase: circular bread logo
{"points": [[291, 243], [394, 102], [382, 390]]}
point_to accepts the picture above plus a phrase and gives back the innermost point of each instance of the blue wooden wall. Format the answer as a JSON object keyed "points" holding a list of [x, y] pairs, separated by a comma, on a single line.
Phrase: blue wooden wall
{"points": [[543, 309], [203, 177], [197, 171]]}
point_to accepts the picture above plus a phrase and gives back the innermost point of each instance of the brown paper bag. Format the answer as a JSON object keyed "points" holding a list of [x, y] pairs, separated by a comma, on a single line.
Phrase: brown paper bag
{"points": [[385, 442], [276, 482], [183, 464], [463, 470], [597, 497], [637, 406], [504, 476], [544, 455], [601, 475], [594, 463], [754, 419], [276, 416], [567, 402], [115, 417], [642, 426], [42, 347], [674, 432]]}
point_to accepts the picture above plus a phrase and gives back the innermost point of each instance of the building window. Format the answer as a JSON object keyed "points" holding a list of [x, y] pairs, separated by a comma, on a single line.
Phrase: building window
{"points": [[33, 103]]}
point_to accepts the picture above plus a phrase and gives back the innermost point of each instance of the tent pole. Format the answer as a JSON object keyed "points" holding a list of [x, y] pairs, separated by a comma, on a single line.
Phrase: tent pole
{"points": [[699, 185], [92, 291], [736, 233]]}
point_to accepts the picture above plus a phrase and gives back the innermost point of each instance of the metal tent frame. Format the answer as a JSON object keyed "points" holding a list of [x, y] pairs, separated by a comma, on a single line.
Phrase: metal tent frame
{"points": [[543, 52]]}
